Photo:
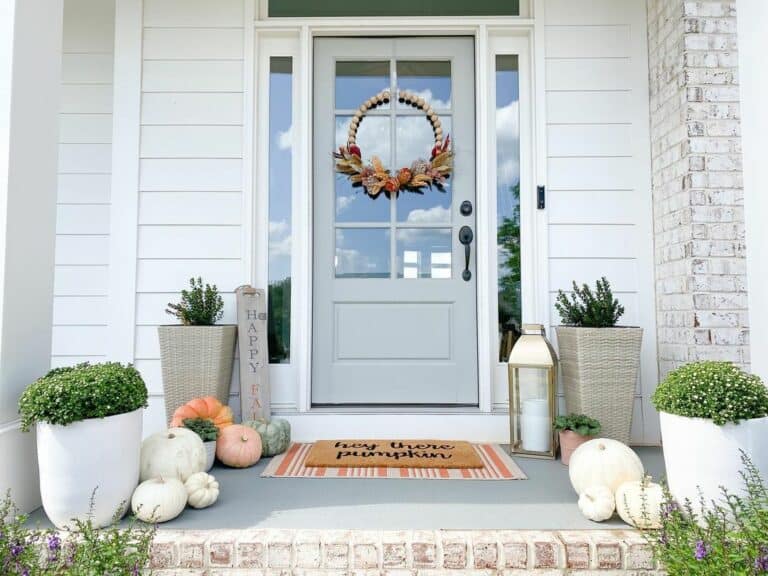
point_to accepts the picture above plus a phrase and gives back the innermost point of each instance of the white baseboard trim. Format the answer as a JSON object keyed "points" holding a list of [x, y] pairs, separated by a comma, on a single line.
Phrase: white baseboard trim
{"points": [[309, 427], [19, 470]]}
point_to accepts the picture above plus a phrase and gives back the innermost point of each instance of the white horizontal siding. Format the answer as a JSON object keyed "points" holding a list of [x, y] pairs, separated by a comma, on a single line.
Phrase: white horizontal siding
{"points": [[85, 164], [582, 107], [599, 200], [81, 281], [191, 166], [84, 188], [85, 128], [588, 41], [193, 13], [593, 206], [580, 140], [82, 219], [82, 250], [200, 175], [86, 68], [85, 158], [572, 74], [192, 142], [172, 275], [193, 44], [192, 76], [190, 208], [192, 108], [80, 310], [189, 242], [86, 99]]}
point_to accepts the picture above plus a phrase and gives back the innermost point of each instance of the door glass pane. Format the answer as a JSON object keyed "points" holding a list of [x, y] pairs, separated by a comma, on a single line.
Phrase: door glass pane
{"points": [[358, 81], [362, 253], [414, 141], [424, 253], [352, 203], [508, 201], [430, 80], [280, 158]]}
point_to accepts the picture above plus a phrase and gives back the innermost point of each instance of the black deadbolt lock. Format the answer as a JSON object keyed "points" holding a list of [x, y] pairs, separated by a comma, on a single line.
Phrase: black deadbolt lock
{"points": [[466, 208]]}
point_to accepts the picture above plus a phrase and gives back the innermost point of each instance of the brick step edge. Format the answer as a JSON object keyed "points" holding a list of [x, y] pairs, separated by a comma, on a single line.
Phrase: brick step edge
{"points": [[410, 552]]}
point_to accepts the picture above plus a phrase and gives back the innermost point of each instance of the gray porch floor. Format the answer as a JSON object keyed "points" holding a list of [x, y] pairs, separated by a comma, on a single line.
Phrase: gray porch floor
{"points": [[545, 501]]}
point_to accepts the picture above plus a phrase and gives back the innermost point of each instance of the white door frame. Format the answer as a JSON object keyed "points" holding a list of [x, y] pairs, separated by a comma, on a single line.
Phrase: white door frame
{"points": [[294, 37]]}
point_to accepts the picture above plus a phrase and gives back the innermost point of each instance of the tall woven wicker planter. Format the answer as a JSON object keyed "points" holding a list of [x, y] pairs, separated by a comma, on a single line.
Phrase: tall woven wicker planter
{"points": [[599, 374], [196, 361]]}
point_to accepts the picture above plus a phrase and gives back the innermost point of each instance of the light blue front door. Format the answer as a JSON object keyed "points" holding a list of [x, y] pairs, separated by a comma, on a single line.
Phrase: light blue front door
{"points": [[394, 278]]}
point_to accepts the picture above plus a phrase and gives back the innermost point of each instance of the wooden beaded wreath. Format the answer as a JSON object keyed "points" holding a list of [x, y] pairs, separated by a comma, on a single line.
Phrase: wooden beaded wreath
{"points": [[374, 177]]}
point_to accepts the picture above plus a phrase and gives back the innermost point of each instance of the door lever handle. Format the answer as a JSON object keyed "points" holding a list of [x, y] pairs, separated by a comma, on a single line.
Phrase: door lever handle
{"points": [[465, 237]]}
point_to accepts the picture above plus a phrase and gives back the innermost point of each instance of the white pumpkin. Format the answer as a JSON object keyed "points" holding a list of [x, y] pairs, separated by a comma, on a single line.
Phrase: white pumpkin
{"points": [[202, 490], [639, 503], [175, 453], [159, 499], [603, 461], [597, 503]]}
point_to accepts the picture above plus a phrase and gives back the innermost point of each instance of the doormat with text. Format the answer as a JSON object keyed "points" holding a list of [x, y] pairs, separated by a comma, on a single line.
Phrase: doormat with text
{"points": [[393, 454], [495, 464]]}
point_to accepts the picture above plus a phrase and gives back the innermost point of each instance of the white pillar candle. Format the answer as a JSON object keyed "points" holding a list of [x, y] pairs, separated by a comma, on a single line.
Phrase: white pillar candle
{"points": [[535, 425]]}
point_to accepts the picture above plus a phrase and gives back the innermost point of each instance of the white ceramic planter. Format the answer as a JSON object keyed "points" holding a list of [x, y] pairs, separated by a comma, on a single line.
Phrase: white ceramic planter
{"points": [[210, 454], [99, 454], [699, 455]]}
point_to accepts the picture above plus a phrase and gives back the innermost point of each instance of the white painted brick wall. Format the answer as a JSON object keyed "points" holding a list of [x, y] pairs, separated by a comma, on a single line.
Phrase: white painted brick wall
{"points": [[697, 182]]}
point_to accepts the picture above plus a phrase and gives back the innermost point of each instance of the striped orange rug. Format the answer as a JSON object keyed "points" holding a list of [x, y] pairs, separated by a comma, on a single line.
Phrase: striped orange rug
{"points": [[497, 465]]}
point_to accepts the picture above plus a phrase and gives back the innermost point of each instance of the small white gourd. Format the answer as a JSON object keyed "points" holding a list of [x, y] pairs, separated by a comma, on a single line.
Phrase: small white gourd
{"points": [[597, 503], [159, 499], [174, 453], [202, 490], [603, 461], [639, 503]]}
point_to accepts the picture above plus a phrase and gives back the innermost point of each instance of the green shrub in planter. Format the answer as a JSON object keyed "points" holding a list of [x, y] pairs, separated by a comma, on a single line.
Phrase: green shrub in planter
{"points": [[579, 423], [589, 309], [75, 393], [717, 391], [203, 427]]}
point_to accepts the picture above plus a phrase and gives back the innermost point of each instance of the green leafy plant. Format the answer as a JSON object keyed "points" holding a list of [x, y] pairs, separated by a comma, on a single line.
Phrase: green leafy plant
{"points": [[718, 391], [579, 423], [203, 427], [76, 393], [81, 550], [201, 305], [716, 538], [589, 309]]}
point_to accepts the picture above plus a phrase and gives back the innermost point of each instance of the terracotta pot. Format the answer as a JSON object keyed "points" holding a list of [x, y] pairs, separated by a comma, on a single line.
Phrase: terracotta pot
{"points": [[569, 441]]}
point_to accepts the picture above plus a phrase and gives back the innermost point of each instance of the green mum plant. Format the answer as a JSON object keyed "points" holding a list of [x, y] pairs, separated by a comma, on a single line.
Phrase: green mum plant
{"points": [[75, 393], [201, 305], [717, 391], [203, 427], [579, 423], [589, 309]]}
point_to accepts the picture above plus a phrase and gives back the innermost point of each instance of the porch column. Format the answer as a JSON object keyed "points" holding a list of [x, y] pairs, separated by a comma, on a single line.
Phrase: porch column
{"points": [[30, 69], [753, 47], [698, 195]]}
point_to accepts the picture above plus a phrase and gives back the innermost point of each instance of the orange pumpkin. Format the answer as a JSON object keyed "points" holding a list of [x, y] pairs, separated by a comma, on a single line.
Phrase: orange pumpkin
{"points": [[207, 407], [238, 446]]}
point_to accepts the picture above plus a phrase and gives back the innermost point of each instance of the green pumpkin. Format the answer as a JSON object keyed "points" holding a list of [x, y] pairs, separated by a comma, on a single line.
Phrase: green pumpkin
{"points": [[275, 434]]}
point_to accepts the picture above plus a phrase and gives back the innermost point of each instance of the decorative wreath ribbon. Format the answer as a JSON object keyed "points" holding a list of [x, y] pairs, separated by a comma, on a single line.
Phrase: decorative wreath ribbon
{"points": [[374, 177]]}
